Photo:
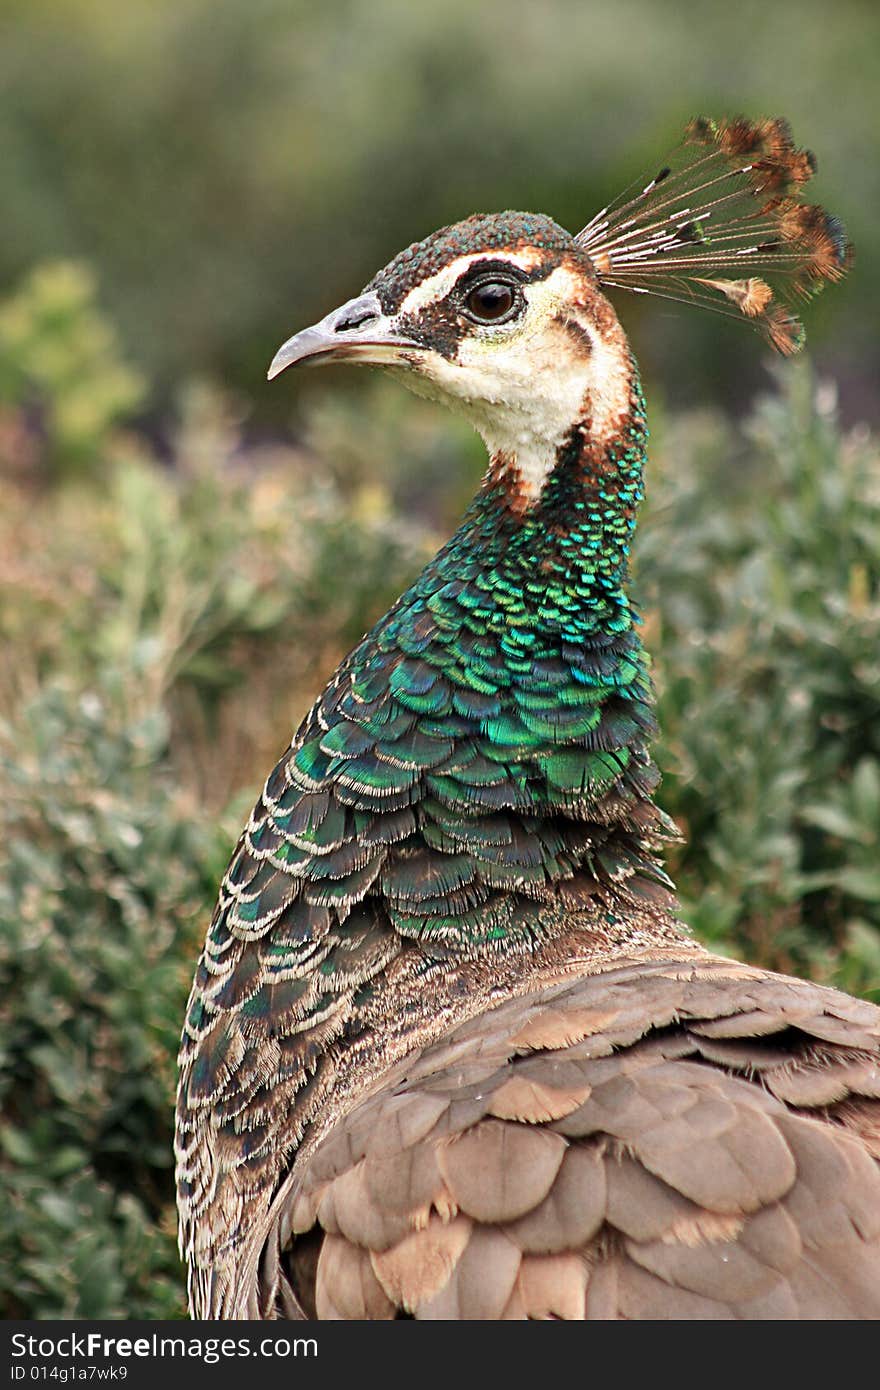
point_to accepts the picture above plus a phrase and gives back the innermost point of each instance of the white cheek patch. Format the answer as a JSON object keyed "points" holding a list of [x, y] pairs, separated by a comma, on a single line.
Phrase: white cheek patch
{"points": [[525, 387]]}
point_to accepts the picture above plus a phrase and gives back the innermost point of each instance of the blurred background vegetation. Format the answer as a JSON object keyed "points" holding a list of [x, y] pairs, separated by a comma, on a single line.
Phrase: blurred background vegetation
{"points": [[186, 552]]}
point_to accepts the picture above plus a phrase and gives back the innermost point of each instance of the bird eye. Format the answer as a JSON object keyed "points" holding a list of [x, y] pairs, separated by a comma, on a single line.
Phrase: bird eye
{"points": [[491, 302]]}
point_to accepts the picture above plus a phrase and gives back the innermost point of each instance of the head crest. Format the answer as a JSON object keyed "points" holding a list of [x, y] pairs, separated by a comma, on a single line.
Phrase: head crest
{"points": [[724, 213]]}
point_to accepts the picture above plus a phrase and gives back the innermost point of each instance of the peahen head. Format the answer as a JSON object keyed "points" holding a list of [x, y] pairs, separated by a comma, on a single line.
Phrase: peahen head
{"points": [[504, 316]]}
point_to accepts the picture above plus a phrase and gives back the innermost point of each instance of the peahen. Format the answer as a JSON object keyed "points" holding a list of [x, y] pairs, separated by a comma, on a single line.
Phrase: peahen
{"points": [[449, 1052]]}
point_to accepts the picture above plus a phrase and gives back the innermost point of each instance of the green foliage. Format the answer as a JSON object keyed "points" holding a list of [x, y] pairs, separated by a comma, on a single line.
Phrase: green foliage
{"points": [[58, 350], [106, 875], [165, 626]]}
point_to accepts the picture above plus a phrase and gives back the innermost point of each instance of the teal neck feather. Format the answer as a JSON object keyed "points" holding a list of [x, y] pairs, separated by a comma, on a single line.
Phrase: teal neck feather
{"points": [[479, 764], [517, 651]]}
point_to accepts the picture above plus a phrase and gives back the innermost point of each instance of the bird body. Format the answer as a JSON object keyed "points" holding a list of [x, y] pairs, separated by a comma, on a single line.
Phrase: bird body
{"points": [[449, 1051]]}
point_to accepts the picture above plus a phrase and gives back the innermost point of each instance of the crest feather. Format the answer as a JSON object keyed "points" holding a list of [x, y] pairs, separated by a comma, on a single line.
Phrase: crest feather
{"points": [[728, 203]]}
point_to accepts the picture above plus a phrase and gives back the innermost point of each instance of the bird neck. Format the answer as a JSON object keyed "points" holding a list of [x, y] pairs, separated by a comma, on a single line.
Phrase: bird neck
{"points": [[572, 538], [521, 628], [529, 578]]}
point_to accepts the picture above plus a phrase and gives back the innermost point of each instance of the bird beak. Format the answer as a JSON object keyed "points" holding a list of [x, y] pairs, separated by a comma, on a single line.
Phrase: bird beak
{"points": [[359, 331]]}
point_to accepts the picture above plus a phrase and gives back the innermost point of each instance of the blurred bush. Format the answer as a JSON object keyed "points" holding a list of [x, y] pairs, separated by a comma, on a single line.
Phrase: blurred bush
{"points": [[59, 355], [166, 622]]}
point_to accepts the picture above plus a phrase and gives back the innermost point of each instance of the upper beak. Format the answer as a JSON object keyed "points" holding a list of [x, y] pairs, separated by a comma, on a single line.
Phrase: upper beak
{"points": [[359, 330]]}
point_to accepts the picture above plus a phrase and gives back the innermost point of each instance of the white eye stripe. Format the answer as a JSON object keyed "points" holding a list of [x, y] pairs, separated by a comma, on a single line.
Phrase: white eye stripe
{"points": [[438, 286]]}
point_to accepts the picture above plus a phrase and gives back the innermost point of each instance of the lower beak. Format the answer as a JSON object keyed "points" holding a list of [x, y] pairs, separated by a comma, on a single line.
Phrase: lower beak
{"points": [[359, 331]]}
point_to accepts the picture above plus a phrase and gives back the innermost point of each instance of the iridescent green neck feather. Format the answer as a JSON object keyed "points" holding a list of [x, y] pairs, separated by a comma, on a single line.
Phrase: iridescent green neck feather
{"points": [[484, 748]]}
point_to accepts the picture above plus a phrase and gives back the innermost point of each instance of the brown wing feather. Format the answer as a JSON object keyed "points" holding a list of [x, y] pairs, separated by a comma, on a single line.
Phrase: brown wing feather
{"points": [[678, 1140]]}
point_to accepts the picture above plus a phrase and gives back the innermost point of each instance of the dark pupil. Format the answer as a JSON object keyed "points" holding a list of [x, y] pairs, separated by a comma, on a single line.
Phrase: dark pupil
{"points": [[491, 301]]}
